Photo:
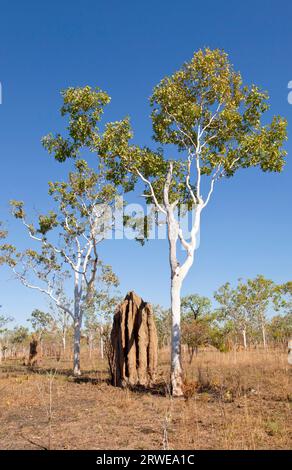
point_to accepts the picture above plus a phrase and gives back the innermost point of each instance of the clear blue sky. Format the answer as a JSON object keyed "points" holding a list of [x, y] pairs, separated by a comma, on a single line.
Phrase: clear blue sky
{"points": [[126, 48]]}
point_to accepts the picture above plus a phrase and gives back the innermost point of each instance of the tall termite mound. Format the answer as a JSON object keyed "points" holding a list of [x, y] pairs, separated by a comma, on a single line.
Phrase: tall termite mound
{"points": [[133, 358], [33, 352]]}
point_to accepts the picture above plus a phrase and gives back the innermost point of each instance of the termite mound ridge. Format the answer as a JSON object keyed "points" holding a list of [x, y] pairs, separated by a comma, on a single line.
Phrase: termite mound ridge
{"points": [[33, 352], [134, 345]]}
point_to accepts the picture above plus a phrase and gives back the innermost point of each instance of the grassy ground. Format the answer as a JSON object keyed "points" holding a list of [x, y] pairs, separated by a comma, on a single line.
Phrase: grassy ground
{"points": [[233, 400]]}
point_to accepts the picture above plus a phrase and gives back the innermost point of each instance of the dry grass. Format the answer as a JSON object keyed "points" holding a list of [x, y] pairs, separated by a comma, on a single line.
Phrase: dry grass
{"points": [[233, 401]]}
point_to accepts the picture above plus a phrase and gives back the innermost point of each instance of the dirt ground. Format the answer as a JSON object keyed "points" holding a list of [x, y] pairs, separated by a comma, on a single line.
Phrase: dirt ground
{"points": [[236, 400]]}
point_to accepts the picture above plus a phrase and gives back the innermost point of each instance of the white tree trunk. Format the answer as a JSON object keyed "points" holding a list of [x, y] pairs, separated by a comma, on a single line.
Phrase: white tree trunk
{"points": [[264, 336], [101, 343], [76, 349], [176, 366], [244, 339], [77, 326], [178, 274], [64, 343]]}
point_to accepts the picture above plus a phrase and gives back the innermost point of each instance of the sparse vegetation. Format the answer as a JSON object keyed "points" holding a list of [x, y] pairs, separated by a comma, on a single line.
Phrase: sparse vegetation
{"points": [[233, 400], [83, 373]]}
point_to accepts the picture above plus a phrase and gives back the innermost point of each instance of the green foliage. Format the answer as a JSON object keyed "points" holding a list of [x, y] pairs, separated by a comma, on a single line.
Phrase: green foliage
{"points": [[280, 328], [206, 112], [84, 108], [208, 86], [163, 325], [195, 333], [196, 307], [220, 335], [246, 306], [3, 322], [19, 335], [197, 318], [3, 233]]}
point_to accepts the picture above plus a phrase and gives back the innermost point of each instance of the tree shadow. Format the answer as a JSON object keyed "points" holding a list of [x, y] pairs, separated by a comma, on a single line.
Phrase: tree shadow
{"points": [[160, 388], [86, 376]]}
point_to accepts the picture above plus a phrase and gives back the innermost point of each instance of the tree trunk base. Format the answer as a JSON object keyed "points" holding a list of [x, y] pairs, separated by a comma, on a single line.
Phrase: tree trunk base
{"points": [[177, 384]]}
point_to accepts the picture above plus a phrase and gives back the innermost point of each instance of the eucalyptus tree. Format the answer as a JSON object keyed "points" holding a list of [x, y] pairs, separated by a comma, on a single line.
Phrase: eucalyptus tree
{"points": [[197, 307], [233, 309], [68, 235], [62, 321], [248, 304], [197, 317], [258, 295], [284, 297], [67, 242], [41, 322], [163, 325], [215, 123], [100, 312], [18, 338], [280, 328], [4, 320]]}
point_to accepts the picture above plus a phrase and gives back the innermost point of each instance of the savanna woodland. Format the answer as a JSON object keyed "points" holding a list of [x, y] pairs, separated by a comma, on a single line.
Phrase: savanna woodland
{"points": [[95, 367]]}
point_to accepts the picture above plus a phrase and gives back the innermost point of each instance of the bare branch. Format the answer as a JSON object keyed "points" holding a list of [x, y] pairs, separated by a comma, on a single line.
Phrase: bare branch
{"points": [[159, 207], [48, 291]]}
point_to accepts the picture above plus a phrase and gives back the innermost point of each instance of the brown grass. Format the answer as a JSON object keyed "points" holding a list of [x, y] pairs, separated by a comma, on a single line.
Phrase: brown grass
{"points": [[235, 400]]}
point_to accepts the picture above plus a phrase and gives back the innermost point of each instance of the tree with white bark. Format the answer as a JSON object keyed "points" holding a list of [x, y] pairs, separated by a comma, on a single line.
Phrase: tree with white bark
{"points": [[66, 241], [215, 123], [42, 323], [101, 313], [197, 317], [259, 295], [63, 323], [234, 310], [68, 236], [247, 305], [4, 320]]}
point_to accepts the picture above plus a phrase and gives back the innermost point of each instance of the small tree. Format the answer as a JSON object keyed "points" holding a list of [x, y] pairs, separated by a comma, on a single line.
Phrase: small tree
{"points": [[257, 295], [283, 299], [163, 325], [63, 322], [105, 303], [3, 322], [280, 329], [41, 322], [196, 321], [280, 326], [75, 229], [68, 236], [233, 309], [196, 307], [18, 337], [215, 124], [91, 328]]}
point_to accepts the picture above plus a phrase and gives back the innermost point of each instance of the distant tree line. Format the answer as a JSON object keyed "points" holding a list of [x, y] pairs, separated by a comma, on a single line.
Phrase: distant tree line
{"points": [[254, 313], [257, 312]]}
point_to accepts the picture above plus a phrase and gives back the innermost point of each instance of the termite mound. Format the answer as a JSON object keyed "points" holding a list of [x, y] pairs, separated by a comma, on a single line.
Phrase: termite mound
{"points": [[33, 352], [134, 345]]}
